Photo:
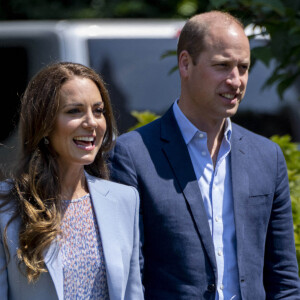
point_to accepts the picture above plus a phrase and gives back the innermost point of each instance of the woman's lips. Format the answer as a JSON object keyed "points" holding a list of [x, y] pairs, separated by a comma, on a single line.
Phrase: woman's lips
{"points": [[85, 142]]}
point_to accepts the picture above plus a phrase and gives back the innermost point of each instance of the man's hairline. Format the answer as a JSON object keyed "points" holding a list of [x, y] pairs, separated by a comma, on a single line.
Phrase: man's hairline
{"points": [[229, 22]]}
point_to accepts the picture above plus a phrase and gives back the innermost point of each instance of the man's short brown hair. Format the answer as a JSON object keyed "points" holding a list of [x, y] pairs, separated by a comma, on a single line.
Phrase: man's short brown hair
{"points": [[196, 28]]}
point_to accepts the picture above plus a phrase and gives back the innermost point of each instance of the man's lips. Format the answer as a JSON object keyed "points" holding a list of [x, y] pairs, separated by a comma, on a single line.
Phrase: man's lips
{"points": [[229, 96], [232, 96]]}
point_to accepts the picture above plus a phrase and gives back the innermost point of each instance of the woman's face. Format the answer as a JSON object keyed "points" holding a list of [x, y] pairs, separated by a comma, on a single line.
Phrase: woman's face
{"points": [[80, 123]]}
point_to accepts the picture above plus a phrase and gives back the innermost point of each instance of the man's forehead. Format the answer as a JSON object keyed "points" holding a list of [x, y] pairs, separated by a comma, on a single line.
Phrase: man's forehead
{"points": [[230, 36], [226, 52], [228, 58]]}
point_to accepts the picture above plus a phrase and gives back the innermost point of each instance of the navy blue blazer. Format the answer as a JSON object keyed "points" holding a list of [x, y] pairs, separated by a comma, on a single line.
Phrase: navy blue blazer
{"points": [[116, 208], [179, 256]]}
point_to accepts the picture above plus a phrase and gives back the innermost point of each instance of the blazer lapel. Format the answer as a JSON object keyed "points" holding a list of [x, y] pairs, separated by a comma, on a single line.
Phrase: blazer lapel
{"points": [[177, 153], [240, 189], [53, 261], [106, 212]]}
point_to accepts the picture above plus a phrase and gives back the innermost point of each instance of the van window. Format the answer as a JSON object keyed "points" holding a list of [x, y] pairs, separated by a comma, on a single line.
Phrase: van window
{"points": [[136, 75], [22, 56], [13, 80]]}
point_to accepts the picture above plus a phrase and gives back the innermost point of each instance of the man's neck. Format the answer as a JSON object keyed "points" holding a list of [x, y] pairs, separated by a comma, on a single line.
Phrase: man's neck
{"points": [[214, 141]]}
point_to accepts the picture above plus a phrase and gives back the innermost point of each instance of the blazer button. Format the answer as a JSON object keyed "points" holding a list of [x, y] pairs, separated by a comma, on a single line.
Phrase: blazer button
{"points": [[211, 288]]}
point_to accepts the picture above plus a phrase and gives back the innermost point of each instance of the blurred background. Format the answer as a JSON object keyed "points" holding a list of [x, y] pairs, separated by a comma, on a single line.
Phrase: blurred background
{"points": [[132, 43]]}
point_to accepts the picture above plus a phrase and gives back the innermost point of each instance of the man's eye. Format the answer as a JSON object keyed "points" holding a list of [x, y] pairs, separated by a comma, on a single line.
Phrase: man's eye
{"points": [[222, 65], [244, 68]]}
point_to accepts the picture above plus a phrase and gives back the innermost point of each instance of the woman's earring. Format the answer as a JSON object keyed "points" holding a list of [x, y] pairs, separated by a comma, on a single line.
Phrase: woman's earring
{"points": [[46, 141]]}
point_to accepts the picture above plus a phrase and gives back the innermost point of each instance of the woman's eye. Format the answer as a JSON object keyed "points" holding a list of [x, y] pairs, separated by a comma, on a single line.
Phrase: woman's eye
{"points": [[73, 111], [99, 110]]}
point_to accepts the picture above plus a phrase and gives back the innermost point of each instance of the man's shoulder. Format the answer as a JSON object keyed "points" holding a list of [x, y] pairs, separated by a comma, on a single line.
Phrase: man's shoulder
{"points": [[241, 132], [253, 139], [153, 131], [149, 131]]}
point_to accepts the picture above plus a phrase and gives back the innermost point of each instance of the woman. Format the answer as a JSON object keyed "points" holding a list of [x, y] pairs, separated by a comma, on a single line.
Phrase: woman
{"points": [[67, 232]]}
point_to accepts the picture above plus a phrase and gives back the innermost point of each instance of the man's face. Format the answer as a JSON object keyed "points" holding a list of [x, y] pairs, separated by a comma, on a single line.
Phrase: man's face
{"points": [[216, 84]]}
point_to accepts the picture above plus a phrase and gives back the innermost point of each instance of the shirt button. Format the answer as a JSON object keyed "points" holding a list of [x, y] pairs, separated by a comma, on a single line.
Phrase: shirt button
{"points": [[221, 287], [201, 135], [220, 253], [203, 153], [211, 288], [217, 219]]}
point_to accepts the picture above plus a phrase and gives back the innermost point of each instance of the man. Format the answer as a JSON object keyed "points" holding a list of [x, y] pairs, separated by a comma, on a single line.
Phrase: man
{"points": [[215, 203]]}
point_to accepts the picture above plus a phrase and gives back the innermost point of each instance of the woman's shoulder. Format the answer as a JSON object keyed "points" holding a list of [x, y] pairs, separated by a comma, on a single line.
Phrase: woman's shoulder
{"points": [[5, 187], [6, 184], [111, 187], [7, 206], [109, 183]]}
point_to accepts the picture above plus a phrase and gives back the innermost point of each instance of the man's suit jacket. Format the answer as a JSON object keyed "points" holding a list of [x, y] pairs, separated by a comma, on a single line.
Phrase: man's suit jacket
{"points": [[116, 208], [179, 255]]}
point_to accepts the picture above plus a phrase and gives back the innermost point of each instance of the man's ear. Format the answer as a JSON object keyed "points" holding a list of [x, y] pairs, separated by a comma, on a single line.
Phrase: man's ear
{"points": [[184, 61]]}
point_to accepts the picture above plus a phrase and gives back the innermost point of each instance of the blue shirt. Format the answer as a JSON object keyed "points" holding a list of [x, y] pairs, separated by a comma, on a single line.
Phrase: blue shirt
{"points": [[216, 188]]}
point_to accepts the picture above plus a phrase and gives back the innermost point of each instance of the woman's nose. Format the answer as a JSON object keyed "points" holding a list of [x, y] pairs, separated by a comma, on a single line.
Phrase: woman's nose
{"points": [[90, 121]]}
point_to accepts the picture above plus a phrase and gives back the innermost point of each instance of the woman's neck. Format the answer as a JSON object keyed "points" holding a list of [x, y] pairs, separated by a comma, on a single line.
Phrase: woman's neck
{"points": [[73, 183]]}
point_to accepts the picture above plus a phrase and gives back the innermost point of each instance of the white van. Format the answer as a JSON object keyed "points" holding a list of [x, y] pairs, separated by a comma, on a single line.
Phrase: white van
{"points": [[127, 53]]}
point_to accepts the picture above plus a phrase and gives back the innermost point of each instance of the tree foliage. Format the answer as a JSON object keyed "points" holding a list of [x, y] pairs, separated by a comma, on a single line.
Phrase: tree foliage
{"points": [[57, 9], [292, 156]]}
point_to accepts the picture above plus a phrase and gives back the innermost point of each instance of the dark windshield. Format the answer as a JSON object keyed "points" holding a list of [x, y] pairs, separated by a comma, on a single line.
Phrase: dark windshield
{"points": [[136, 75]]}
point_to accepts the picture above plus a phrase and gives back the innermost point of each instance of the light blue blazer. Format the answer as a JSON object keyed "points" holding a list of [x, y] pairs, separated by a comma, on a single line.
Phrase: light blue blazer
{"points": [[116, 208]]}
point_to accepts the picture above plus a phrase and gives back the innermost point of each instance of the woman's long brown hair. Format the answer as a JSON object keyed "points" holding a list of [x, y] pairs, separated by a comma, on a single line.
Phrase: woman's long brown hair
{"points": [[35, 192]]}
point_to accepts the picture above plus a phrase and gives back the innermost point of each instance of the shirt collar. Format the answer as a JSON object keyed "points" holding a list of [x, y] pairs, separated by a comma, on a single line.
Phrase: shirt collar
{"points": [[188, 130]]}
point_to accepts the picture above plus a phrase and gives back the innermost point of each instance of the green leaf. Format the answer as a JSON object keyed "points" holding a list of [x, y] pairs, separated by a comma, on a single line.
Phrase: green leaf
{"points": [[175, 68], [276, 5], [262, 53], [285, 83], [168, 53], [187, 7], [218, 3], [275, 77], [143, 118]]}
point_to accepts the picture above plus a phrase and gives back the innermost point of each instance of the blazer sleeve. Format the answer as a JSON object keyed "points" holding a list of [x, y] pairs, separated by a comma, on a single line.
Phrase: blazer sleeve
{"points": [[281, 279], [3, 272], [122, 170], [134, 286], [4, 187], [121, 164]]}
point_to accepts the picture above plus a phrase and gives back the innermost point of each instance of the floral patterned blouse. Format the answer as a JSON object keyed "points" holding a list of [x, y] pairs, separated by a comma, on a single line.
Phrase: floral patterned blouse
{"points": [[82, 253]]}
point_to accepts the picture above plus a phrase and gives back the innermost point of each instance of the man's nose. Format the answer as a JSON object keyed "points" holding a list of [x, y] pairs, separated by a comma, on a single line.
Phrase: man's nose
{"points": [[234, 78]]}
